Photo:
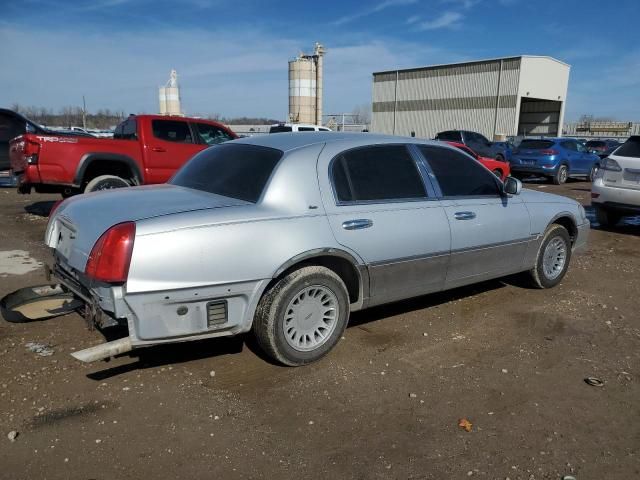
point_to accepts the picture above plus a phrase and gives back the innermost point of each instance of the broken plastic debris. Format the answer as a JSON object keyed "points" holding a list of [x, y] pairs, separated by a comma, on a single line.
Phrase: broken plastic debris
{"points": [[465, 424], [594, 382], [39, 348]]}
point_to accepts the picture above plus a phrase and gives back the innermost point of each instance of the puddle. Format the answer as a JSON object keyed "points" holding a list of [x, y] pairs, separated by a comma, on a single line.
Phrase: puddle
{"points": [[17, 262]]}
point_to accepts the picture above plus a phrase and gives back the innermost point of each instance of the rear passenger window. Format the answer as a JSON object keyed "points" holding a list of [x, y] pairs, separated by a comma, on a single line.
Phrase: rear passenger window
{"points": [[172, 131], [306, 129], [378, 173], [458, 175]]}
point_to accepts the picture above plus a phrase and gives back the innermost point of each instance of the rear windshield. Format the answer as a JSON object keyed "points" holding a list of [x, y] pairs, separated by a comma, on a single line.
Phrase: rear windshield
{"points": [[449, 136], [236, 171], [535, 144], [596, 143], [280, 129], [630, 148]]}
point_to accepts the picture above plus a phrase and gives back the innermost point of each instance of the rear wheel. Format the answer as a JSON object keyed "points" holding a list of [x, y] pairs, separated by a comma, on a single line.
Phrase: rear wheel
{"points": [[498, 173], [302, 316], [607, 218], [105, 182], [561, 175], [500, 157], [553, 258]]}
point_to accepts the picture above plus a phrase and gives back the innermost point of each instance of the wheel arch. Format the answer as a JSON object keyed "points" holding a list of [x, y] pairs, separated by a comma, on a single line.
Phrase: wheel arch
{"points": [[88, 160], [566, 220], [352, 271]]}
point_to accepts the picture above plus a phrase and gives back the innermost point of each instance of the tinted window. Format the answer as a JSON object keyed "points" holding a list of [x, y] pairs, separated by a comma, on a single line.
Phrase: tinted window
{"points": [[212, 135], [449, 136], [535, 144], [595, 144], [458, 175], [9, 128], [306, 129], [127, 130], [377, 173], [236, 171], [172, 131], [570, 145], [630, 148], [280, 129], [476, 137]]}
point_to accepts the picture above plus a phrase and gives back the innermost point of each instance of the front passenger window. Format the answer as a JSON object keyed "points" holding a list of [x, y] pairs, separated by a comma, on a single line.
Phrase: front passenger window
{"points": [[458, 175]]}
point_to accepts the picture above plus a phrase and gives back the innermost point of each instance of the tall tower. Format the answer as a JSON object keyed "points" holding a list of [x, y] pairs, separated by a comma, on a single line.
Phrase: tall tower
{"points": [[305, 87], [169, 96]]}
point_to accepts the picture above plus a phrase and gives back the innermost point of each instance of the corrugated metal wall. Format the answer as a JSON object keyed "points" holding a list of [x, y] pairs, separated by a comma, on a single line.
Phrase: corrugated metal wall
{"points": [[433, 99]]}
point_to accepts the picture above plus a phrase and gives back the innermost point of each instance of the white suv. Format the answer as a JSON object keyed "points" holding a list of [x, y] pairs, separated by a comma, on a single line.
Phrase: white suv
{"points": [[297, 127], [616, 189]]}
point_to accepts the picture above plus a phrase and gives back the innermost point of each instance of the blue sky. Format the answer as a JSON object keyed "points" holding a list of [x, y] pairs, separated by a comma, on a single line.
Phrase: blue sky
{"points": [[231, 56]]}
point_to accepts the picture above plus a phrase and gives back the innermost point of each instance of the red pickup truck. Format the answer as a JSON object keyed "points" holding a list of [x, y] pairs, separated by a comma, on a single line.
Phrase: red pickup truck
{"points": [[145, 149]]}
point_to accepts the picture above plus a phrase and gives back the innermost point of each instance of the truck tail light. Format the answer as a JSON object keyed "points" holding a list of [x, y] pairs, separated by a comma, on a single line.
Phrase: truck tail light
{"points": [[111, 255], [611, 165], [31, 150]]}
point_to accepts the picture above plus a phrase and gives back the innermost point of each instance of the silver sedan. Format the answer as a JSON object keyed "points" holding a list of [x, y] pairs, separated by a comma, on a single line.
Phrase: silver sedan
{"points": [[285, 235]]}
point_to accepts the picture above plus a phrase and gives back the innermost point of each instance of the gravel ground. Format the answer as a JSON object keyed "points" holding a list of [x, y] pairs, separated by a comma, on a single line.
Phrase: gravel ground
{"points": [[386, 403]]}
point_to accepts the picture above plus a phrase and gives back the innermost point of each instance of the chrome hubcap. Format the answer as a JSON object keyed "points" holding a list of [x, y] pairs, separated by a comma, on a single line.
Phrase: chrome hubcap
{"points": [[563, 175], [310, 318], [555, 256]]}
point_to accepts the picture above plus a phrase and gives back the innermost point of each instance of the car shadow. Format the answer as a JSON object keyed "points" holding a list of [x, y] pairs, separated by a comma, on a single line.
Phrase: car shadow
{"points": [[41, 209], [627, 225], [177, 353]]}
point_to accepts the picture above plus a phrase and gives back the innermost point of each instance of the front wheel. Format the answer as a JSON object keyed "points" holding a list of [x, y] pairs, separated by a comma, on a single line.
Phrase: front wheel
{"points": [[105, 182], [498, 173], [553, 258], [302, 316], [561, 175], [500, 157]]}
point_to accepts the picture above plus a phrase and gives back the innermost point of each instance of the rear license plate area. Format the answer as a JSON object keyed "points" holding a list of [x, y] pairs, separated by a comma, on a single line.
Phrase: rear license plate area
{"points": [[65, 240]]}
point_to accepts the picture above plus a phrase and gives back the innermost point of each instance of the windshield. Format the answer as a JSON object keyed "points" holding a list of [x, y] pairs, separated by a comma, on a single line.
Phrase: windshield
{"points": [[280, 129], [236, 171], [535, 144]]}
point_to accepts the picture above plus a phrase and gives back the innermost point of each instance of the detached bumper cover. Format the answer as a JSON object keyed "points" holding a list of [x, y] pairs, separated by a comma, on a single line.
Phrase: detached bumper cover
{"points": [[580, 243]]}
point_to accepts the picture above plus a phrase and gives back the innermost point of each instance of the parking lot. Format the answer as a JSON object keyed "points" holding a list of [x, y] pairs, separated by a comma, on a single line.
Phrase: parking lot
{"points": [[385, 404]]}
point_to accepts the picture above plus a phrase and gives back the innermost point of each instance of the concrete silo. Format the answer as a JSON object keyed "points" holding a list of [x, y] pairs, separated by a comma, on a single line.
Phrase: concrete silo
{"points": [[169, 96], [305, 87]]}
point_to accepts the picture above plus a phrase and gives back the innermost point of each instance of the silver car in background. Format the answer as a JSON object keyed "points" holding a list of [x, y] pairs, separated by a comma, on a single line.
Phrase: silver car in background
{"points": [[284, 235]]}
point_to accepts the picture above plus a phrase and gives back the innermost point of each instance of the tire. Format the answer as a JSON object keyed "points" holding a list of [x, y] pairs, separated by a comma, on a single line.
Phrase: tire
{"points": [[547, 273], [561, 175], [607, 218], [105, 182], [498, 173], [69, 193], [500, 157], [279, 323], [593, 172]]}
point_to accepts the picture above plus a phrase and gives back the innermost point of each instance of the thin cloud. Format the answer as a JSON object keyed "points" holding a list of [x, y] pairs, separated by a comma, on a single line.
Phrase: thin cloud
{"points": [[446, 20], [413, 19], [370, 11]]}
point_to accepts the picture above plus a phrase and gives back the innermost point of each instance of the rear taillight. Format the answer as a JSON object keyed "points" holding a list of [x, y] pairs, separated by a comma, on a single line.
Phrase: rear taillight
{"points": [[31, 150], [111, 255], [611, 165], [549, 151]]}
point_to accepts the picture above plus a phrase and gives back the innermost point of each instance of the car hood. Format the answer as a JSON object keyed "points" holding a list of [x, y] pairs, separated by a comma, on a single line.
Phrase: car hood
{"points": [[88, 216]]}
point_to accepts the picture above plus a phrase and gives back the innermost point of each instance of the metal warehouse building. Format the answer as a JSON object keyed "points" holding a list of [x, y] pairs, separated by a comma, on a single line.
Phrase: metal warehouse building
{"points": [[522, 95]]}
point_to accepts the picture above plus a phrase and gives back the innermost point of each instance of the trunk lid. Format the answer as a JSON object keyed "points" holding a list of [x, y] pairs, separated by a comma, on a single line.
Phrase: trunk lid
{"points": [[79, 222]]}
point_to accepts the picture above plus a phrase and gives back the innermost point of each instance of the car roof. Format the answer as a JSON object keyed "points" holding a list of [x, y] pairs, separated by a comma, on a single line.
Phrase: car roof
{"points": [[292, 141]]}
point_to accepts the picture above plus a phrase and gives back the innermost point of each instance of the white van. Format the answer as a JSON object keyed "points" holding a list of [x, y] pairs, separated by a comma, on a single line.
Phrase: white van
{"points": [[297, 127]]}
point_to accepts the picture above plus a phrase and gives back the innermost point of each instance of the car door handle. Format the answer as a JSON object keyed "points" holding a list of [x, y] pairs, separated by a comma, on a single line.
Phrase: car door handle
{"points": [[464, 215], [357, 224], [158, 149]]}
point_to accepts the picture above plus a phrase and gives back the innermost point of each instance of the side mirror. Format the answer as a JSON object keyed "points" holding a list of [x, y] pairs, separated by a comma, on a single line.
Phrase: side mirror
{"points": [[512, 186]]}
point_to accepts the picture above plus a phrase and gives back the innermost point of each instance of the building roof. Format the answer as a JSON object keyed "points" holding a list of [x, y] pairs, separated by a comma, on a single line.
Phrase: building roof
{"points": [[469, 62]]}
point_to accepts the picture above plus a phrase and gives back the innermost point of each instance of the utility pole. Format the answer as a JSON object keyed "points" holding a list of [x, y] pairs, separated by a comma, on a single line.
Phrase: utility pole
{"points": [[84, 113]]}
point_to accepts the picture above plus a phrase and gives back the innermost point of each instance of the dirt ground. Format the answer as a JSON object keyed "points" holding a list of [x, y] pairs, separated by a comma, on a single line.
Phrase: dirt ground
{"points": [[384, 404]]}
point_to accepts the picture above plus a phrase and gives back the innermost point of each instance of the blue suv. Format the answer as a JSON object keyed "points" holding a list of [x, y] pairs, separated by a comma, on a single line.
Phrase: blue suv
{"points": [[554, 158]]}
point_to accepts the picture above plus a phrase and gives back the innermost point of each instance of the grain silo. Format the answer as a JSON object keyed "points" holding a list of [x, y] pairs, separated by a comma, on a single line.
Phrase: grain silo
{"points": [[305, 87], [169, 96]]}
